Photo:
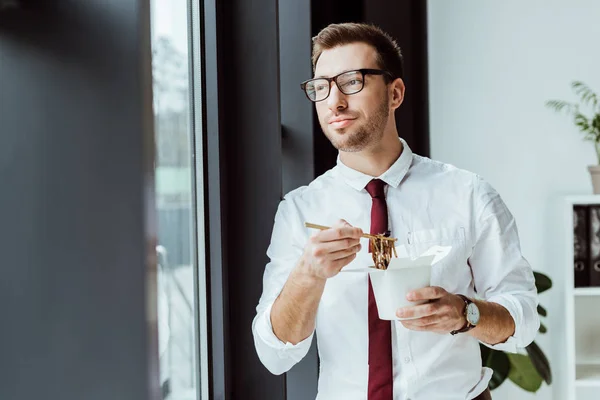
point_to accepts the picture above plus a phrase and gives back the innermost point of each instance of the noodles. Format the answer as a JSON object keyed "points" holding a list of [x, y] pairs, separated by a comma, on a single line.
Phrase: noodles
{"points": [[381, 250]]}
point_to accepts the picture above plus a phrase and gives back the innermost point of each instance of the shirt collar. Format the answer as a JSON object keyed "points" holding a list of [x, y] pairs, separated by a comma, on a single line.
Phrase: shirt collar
{"points": [[393, 176]]}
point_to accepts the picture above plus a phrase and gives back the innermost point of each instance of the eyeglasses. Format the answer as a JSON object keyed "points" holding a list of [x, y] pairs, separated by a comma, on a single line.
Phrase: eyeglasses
{"points": [[350, 82]]}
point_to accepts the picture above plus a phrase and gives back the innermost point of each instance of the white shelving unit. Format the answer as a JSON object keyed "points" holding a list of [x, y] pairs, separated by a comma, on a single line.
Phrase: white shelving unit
{"points": [[591, 291], [578, 374], [587, 375]]}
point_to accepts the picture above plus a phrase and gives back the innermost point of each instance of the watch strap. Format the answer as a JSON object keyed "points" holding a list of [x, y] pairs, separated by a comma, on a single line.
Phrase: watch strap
{"points": [[468, 326]]}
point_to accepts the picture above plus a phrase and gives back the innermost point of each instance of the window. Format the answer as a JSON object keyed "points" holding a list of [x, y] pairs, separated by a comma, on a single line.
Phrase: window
{"points": [[181, 288]]}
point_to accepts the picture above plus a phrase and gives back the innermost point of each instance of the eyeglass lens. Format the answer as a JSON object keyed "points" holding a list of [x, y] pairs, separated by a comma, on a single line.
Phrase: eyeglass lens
{"points": [[349, 83]]}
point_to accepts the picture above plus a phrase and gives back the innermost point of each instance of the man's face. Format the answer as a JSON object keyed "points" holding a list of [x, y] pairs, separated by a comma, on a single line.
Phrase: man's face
{"points": [[353, 122]]}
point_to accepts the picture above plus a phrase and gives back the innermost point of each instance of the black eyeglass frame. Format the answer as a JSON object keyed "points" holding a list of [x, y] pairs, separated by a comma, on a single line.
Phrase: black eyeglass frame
{"points": [[363, 71]]}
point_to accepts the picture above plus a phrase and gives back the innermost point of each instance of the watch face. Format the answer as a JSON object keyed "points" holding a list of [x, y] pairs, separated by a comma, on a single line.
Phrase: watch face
{"points": [[473, 314]]}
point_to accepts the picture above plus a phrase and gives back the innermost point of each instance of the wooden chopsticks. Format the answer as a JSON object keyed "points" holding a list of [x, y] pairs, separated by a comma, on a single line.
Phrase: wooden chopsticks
{"points": [[365, 235]]}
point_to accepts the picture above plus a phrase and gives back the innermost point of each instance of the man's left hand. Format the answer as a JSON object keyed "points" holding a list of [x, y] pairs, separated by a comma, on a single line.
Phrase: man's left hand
{"points": [[442, 314]]}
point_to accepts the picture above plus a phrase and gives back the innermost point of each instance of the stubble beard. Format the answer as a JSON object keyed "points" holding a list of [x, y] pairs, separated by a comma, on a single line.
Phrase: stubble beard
{"points": [[363, 136]]}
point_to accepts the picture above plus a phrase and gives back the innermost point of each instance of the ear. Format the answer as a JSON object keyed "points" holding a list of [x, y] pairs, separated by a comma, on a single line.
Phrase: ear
{"points": [[396, 93]]}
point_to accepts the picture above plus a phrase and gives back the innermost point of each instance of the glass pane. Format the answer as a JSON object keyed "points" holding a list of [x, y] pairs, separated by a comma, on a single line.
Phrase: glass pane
{"points": [[177, 308]]}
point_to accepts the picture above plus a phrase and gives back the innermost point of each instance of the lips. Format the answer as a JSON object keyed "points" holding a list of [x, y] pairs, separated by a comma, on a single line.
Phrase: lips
{"points": [[341, 122]]}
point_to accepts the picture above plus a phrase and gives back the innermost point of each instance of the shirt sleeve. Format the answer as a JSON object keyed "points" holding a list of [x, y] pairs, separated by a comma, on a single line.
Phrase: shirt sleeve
{"points": [[500, 272], [287, 243]]}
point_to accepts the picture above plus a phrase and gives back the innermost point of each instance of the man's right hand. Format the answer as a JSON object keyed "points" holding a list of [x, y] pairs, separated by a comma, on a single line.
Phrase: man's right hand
{"points": [[328, 251]]}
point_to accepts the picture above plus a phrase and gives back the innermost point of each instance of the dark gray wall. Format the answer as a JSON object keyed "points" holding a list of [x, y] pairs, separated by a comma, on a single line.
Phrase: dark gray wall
{"points": [[406, 21], [298, 159], [244, 167], [296, 110], [76, 173], [323, 13]]}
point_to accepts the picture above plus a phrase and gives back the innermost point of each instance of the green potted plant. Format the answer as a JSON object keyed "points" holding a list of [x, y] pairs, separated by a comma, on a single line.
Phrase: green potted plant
{"points": [[527, 371], [589, 126]]}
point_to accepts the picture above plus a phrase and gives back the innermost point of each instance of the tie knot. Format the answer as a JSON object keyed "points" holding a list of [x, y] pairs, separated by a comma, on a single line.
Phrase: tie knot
{"points": [[375, 188]]}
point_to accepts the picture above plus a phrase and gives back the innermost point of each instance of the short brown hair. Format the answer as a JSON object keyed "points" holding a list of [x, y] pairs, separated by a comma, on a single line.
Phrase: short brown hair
{"points": [[389, 54]]}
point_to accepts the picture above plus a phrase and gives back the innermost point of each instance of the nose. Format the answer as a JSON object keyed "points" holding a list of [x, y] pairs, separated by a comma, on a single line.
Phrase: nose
{"points": [[336, 100]]}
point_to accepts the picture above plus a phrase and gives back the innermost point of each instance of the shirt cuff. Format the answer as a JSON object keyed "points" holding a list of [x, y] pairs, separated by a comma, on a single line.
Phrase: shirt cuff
{"points": [[515, 310], [287, 350]]}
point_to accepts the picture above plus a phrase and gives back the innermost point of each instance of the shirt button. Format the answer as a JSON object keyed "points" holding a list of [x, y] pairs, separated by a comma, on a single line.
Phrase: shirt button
{"points": [[407, 360]]}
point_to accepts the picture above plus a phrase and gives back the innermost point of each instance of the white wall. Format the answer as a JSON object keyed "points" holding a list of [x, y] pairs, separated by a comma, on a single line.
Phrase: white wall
{"points": [[492, 65]]}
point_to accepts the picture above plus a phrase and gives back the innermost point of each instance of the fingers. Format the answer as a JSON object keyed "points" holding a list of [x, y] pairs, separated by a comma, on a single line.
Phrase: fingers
{"points": [[420, 311], [329, 250], [330, 264], [325, 249], [438, 323], [424, 322], [340, 263], [342, 238], [441, 315], [428, 293], [339, 231], [427, 317], [326, 253], [344, 253]]}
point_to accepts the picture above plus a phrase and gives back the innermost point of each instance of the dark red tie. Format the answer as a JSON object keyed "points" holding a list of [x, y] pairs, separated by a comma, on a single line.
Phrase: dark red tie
{"points": [[380, 331]]}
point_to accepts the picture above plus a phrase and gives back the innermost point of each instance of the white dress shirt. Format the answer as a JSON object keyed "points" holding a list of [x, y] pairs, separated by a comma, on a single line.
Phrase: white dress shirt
{"points": [[429, 203]]}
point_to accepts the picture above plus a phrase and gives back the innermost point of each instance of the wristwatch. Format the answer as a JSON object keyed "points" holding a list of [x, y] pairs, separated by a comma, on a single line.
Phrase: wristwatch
{"points": [[471, 315]]}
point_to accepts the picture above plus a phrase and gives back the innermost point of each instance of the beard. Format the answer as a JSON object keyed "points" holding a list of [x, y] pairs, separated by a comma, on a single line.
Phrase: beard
{"points": [[358, 137]]}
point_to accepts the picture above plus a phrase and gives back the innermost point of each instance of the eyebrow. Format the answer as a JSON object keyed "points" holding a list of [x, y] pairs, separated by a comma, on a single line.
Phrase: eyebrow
{"points": [[348, 70]]}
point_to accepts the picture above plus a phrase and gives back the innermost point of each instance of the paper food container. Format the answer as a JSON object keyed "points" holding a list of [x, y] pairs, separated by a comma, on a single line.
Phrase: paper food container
{"points": [[403, 275]]}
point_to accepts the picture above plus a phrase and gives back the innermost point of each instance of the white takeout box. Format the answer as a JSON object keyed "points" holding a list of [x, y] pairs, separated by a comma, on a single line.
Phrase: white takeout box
{"points": [[390, 286]]}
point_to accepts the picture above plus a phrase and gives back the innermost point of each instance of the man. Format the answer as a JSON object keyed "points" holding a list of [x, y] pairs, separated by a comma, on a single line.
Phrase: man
{"points": [[483, 291]]}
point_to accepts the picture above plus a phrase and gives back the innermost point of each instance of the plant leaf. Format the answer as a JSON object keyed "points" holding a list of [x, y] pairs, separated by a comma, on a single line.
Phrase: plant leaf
{"points": [[499, 363], [584, 91], [582, 122], [542, 311], [543, 328], [558, 106], [596, 124], [523, 373], [485, 353], [542, 282], [540, 362]]}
